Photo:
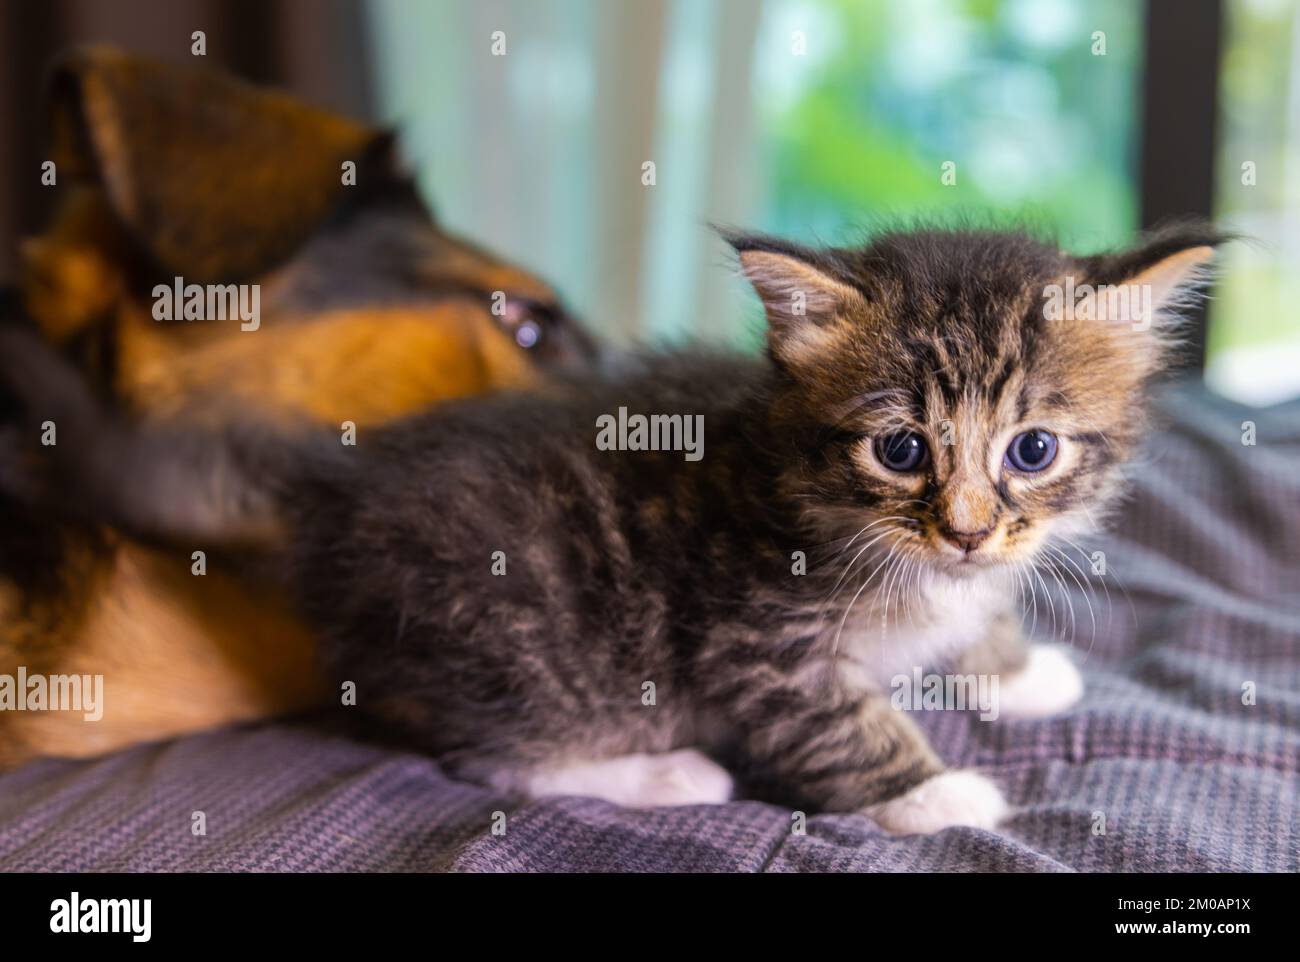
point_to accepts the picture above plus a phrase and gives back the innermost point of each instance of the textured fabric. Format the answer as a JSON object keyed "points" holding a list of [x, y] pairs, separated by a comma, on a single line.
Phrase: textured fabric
{"points": [[1203, 574]]}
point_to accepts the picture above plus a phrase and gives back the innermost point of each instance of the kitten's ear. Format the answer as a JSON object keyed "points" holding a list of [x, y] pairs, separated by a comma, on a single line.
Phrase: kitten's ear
{"points": [[1170, 266], [804, 299]]}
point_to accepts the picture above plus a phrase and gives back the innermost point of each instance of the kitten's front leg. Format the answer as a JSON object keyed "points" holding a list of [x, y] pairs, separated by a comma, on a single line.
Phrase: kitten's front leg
{"points": [[1034, 681], [841, 753]]}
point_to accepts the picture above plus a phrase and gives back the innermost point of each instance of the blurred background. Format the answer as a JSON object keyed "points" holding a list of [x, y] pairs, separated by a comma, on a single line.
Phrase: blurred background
{"points": [[529, 124]]}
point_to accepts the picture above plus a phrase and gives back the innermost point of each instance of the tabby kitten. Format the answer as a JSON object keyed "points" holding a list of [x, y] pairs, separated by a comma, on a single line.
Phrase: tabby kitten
{"points": [[548, 616]]}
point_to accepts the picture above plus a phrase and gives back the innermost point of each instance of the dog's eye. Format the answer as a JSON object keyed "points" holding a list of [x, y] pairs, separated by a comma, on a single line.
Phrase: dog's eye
{"points": [[1032, 451], [547, 332], [902, 451], [527, 333], [526, 322]]}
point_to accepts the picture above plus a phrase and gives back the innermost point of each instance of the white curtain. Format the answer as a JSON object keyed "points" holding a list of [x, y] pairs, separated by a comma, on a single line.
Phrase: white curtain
{"points": [[538, 152]]}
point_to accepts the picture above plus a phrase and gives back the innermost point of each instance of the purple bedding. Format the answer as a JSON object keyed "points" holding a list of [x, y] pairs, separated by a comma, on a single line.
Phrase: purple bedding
{"points": [[1203, 569]]}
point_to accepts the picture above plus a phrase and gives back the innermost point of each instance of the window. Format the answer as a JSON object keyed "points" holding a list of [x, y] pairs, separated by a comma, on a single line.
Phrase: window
{"points": [[819, 118], [1253, 347]]}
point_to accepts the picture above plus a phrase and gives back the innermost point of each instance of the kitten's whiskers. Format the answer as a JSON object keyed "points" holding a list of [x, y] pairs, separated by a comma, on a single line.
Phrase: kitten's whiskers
{"points": [[847, 611], [1033, 567], [1087, 592], [1066, 597]]}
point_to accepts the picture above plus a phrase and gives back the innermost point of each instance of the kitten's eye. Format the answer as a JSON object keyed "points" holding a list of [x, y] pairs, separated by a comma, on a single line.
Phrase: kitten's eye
{"points": [[1032, 450], [903, 451]]}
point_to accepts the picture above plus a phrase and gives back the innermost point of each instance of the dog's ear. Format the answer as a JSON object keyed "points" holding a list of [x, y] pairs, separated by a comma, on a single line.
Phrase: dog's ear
{"points": [[216, 179]]}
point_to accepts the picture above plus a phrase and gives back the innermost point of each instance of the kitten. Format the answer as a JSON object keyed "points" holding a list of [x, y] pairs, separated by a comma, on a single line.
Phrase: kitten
{"points": [[548, 616]]}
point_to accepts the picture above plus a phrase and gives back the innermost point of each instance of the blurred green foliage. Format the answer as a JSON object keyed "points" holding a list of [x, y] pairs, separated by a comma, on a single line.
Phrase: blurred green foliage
{"points": [[1041, 127]]}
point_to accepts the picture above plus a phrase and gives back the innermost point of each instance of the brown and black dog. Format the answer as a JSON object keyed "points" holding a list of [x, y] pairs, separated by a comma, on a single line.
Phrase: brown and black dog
{"points": [[368, 311]]}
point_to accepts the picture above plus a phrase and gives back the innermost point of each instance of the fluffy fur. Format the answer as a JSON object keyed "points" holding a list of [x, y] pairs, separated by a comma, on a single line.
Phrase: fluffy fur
{"points": [[370, 309], [522, 604]]}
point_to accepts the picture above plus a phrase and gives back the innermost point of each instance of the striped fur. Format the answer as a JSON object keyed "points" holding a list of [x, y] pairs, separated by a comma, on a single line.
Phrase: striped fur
{"points": [[650, 603]]}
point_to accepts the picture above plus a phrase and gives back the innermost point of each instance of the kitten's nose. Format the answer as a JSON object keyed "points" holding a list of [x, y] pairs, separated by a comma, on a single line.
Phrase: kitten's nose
{"points": [[966, 540]]}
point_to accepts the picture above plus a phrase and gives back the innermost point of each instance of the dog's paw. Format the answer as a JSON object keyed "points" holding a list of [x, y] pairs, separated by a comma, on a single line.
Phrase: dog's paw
{"points": [[1047, 684], [951, 798]]}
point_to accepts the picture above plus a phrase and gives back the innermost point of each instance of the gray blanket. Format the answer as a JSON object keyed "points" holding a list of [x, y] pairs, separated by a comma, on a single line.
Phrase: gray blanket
{"points": [[1167, 764]]}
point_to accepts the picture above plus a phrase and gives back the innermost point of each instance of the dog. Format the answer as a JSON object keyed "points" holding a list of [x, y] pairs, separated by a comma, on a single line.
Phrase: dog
{"points": [[173, 176]]}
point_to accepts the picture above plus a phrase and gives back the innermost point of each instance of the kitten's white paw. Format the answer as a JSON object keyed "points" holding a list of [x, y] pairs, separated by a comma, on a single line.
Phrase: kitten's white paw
{"points": [[683, 777], [1049, 683], [951, 798]]}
